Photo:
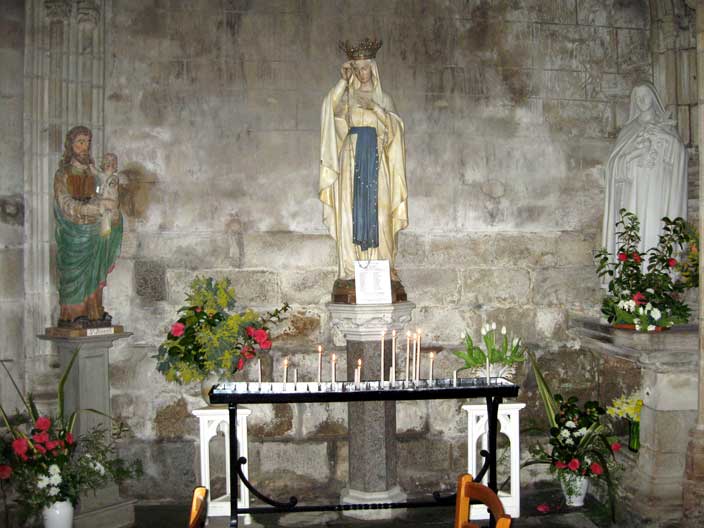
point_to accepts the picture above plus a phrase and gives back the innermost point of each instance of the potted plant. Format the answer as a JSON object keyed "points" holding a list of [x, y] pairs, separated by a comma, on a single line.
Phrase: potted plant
{"points": [[48, 467], [500, 357], [652, 299], [208, 338], [581, 446]]}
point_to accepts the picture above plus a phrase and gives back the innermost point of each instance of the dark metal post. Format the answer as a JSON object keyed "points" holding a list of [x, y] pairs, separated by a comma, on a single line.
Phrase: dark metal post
{"points": [[492, 408]]}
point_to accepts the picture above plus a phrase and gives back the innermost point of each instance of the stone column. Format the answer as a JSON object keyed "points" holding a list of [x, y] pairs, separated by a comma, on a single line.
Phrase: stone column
{"points": [[694, 466], [88, 386], [372, 425]]}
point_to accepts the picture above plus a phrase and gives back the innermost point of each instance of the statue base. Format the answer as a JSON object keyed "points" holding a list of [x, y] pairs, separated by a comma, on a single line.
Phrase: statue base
{"points": [[343, 292], [67, 331]]}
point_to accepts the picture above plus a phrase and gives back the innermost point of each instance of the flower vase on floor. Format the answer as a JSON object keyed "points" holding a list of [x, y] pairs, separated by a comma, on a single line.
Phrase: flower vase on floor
{"points": [[574, 487], [58, 515], [633, 435]]}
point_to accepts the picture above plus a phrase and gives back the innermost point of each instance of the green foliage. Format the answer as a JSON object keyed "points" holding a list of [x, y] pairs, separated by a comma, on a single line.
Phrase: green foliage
{"points": [[580, 443], [506, 351], [207, 338], [654, 297], [43, 461]]}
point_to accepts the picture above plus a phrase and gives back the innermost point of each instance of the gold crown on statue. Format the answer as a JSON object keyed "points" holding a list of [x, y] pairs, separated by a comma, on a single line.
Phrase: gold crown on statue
{"points": [[366, 49]]}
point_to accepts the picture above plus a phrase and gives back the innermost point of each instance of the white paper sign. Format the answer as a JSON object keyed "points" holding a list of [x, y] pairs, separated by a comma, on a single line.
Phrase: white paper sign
{"points": [[107, 330], [372, 281]]}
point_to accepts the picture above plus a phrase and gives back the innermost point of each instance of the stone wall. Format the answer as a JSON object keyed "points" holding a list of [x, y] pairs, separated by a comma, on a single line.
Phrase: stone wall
{"points": [[11, 195], [213, 108]]}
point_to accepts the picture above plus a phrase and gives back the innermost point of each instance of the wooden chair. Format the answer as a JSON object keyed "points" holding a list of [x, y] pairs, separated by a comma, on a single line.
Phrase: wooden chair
{"points": [[199, 508], [467, 490]]}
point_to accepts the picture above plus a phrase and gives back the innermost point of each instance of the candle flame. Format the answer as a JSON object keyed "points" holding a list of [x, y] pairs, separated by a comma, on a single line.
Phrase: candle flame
{"points": [[418, 331], [320, 349], [393, 333], [334, 358], [408, 334], [286, 362], [432, 355], [359, 362]]}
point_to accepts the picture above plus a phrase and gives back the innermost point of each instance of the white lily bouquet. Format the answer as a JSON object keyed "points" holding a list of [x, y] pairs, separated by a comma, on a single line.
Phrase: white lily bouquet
{"points": [[502, 352]]}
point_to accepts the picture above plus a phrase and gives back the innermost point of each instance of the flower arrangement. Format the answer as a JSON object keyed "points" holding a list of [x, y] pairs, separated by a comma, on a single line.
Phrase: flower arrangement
{"points": [[653, 298], [501, 354], [207, 338], [46, 463], [629, 407], [580, 444]]}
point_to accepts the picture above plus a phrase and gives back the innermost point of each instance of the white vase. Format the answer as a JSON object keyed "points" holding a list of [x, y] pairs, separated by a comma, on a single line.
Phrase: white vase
{"points": [[207, 383], [574, 487], [58, 515]]}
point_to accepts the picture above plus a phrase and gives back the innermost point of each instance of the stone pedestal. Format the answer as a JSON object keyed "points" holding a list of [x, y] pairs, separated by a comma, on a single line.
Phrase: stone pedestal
{"points": [[372, 425], [669, 384], [88, 387]]}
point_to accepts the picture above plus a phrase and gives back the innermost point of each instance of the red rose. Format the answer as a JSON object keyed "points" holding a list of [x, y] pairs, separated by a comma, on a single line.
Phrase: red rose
{"points": [[240, 364], [42, 424], [248, 352], [69, 438], [560, 465], [177, 329], [622, 257], [636, 258], [672, 263], [20, 447], [5, 471], [543, 508], [265, 345], [573, 464], [250, 331], [260, 336], [40, 438], [639, 298], [52, 444], [596, 469], [55, 453], [616, 447], [40, 448]]}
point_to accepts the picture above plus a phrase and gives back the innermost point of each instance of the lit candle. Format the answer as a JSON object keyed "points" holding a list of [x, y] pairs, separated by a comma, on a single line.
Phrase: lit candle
{"points": [[432, 359], [392, 376], [381, 370], [259, 369], [418, 362], [332, 374], [415, 357], [320, 363], [408, 354], [285, 370], [358, 373]]}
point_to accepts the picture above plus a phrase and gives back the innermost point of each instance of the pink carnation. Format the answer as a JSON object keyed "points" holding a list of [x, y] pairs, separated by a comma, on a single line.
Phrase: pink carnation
{"points": [[5, 471], [573, 464], [615, 447], [42, 424], [596, 468]]}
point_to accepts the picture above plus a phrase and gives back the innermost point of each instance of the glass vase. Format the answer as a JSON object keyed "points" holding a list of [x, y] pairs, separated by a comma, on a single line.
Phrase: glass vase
{"points": [[633, 435]]}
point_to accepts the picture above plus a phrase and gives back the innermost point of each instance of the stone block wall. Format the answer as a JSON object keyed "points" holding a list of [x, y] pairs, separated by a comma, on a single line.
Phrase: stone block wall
{"points": [[213, 109], [11, 196]]}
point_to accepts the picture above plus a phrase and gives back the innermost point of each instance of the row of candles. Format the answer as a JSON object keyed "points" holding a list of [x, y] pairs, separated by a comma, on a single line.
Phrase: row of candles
{"points": [[413, 360]]}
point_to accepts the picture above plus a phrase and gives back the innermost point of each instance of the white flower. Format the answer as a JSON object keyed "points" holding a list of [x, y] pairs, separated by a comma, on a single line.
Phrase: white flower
{"points": [[637, 327], [53, 491], [656, 314], [55, 479], [43, 482], [463, 335], [570, 424], [648, 307], [493, 326], [651, 328], [650, 290], [564, 433], [503, 330], [483, 331], [516, 341], [581, 432], [99, 468], [54, 469], [569, 441]]}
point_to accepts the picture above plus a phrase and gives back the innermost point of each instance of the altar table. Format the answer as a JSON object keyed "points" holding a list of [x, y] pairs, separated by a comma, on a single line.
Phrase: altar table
{"points": [[234, 394]]}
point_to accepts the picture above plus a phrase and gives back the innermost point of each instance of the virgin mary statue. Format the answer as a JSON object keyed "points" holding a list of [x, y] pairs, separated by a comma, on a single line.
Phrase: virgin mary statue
{"points": [[362, 164], [647, 171]]}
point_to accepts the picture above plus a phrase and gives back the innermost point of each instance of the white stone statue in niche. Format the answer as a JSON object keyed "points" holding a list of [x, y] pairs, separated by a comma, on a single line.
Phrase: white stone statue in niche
{"points": [[647, 170], [362, 164]]}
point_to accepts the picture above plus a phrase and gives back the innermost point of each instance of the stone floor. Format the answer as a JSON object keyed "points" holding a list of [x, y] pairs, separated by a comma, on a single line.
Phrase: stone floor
{"points": [[591, 516]]}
